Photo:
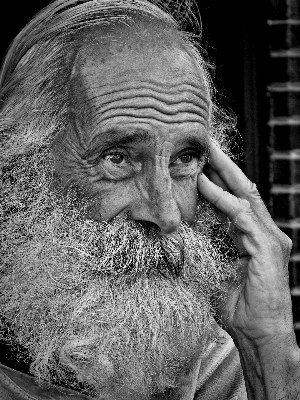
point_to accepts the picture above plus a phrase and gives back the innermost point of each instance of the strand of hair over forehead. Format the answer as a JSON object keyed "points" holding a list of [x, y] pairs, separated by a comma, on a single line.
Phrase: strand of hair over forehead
{"points": [[63, 16]]}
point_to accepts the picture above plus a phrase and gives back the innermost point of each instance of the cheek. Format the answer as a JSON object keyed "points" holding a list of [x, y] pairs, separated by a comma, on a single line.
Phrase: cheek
{"points": [[109, 201], [186, 193]]}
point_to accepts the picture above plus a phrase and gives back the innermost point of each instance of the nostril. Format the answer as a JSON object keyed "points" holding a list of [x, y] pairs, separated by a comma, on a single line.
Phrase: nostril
{"points": [[148, 225], [151, 227]]}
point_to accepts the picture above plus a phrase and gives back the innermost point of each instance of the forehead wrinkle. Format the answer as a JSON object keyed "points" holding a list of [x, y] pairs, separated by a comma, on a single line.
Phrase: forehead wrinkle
{"points": [[184, 90], [183, 98], [87, 112], [155, 117]]}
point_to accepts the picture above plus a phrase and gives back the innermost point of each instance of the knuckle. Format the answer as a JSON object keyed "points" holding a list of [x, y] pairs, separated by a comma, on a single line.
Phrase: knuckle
{"points": [[253, 191], [245, 205], [243, 210], [252, 187]]}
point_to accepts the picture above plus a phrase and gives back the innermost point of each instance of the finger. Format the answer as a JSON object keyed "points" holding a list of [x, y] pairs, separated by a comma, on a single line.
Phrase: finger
{"points": [[215, 178], [232, 176], [236, 209], [237, 182]]}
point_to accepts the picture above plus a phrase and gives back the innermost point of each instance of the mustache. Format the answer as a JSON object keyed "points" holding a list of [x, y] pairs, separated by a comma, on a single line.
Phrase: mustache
{"points": [[126, 247]]}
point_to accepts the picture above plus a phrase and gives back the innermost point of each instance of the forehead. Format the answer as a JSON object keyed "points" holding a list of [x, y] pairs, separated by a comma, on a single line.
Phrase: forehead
{"points": [[144, 72], [145, 49], [123, 56], [142, 38]]}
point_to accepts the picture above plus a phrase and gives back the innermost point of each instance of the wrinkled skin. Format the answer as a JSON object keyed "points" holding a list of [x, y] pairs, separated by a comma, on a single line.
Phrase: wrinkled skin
{"points": [[138, 145], [140, 135]]}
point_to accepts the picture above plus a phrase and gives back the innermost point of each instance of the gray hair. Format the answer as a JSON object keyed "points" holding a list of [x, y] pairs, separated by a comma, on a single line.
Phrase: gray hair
{"points": [[35, 73]]}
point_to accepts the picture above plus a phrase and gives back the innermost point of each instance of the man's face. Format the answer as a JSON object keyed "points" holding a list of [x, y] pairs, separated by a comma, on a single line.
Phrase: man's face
{"points": [[114, 296], [140, 134]]}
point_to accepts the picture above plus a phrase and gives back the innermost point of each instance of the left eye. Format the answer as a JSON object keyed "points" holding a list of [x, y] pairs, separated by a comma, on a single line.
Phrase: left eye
{"points": [[115, 158]]}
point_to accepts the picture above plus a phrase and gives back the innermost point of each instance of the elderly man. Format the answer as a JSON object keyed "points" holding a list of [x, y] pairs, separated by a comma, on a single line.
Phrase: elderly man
{"points": [[119, 202]]}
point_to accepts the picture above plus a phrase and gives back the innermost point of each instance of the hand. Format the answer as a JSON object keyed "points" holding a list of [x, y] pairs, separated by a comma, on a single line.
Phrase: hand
{"points": [[259, 309]]}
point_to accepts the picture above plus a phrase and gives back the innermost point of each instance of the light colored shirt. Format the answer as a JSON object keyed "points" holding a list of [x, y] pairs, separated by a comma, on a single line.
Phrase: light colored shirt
{"points": [[216, 376]]}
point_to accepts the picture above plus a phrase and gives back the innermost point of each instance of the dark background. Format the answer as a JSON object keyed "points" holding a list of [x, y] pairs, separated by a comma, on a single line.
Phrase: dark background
{"points": [[237, 35]]}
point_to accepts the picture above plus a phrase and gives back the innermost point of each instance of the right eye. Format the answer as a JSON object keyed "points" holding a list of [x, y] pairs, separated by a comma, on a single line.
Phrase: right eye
{"points": [[116, 165]]}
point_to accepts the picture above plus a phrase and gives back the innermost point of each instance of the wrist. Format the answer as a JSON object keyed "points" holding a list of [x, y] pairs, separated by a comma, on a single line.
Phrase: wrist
{"points": [[270, 368]]}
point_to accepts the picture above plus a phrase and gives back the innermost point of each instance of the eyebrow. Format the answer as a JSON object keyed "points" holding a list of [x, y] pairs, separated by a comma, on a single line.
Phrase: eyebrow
{"points": [[200, 142], [116, 138]]}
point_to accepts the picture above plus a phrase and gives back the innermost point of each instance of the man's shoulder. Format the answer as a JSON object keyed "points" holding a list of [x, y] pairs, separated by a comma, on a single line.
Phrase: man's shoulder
{"points": [[220, 374], [15, 385]]}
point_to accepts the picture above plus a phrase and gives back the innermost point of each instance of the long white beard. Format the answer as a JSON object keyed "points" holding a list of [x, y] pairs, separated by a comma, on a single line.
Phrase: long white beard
{"points": [[109, 306]]}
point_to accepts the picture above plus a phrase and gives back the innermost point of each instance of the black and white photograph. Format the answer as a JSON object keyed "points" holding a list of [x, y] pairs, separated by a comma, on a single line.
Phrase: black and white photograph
{"points": [[150, 200]]}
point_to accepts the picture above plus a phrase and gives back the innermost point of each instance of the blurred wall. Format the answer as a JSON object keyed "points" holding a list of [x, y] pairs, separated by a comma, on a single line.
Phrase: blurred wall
{"points": [[284, 128]]}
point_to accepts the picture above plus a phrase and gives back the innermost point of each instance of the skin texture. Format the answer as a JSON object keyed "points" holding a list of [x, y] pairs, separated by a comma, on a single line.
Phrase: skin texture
{"points": [[151, 93], [140, 136]]}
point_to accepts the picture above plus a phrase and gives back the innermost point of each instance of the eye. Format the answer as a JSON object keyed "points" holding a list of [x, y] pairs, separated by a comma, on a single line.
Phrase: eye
{"points": [[116, 164], [185, 164], [186, 158], [115, 158]]}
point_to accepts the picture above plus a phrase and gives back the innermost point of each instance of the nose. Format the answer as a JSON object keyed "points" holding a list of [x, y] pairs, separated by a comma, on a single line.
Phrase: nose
{"points": [[156, 203]]}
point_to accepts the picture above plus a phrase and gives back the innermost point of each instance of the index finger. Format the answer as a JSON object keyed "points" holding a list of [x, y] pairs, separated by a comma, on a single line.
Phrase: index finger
{"points": [[236, 181]]}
